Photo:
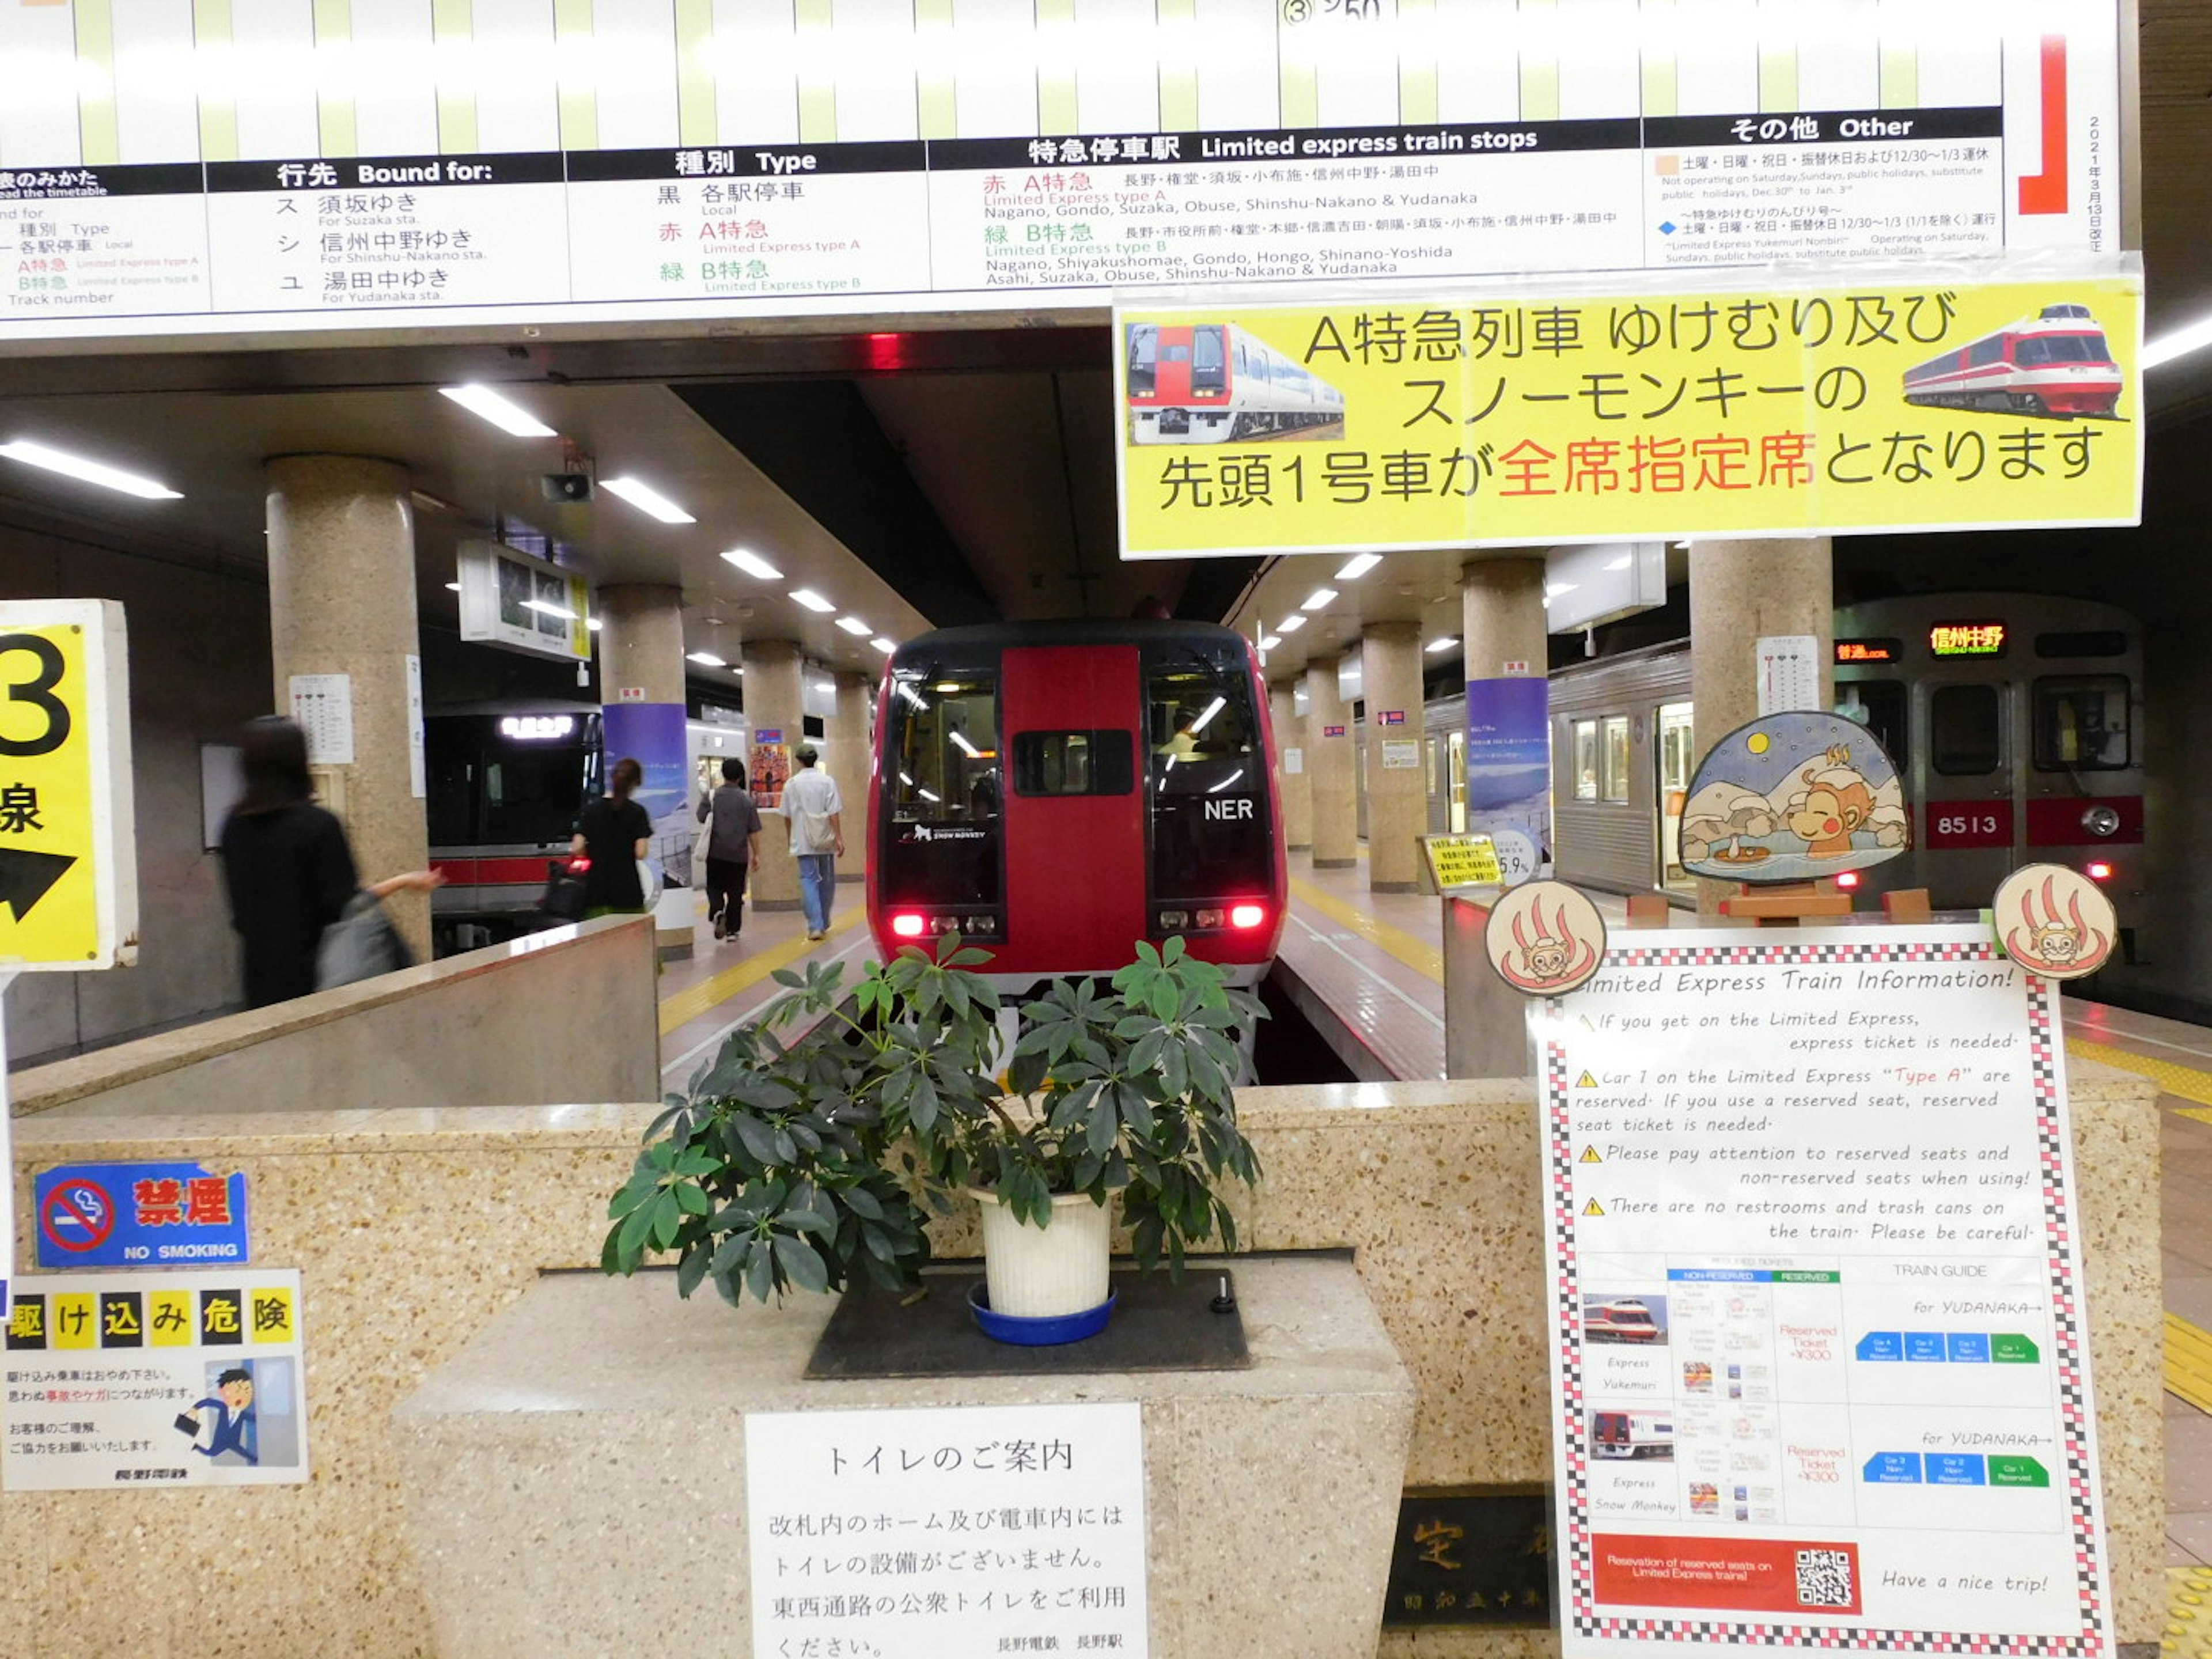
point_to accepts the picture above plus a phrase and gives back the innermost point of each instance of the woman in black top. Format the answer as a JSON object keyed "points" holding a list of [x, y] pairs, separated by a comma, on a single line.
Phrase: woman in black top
{"points": [[613, 833], [286, 866]]}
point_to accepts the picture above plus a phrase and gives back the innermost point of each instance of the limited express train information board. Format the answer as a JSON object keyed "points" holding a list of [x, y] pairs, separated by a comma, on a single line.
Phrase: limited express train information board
{"points": [[1822, 1356], [181, 165]]}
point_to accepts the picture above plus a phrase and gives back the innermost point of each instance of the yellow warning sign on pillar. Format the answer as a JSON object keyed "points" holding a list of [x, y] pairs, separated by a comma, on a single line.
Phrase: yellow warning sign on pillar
{"points": [[68, 891]]}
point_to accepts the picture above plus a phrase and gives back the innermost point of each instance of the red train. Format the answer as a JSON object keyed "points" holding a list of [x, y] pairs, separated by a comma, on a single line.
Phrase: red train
{"points": [[1212, 383], [1058, 790], [2057, 363]]}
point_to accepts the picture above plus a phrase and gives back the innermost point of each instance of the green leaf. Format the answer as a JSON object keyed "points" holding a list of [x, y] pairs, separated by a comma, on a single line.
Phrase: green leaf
{"points": [[693, 1199], [759, 1139], [635, 1231], [801, 1264], [760, 1274], [862, 1202], [691, 1269], [667, 1218]]}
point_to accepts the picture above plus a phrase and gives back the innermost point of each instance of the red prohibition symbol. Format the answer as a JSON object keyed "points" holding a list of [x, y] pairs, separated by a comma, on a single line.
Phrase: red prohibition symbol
{"points": [[78, 1215]]}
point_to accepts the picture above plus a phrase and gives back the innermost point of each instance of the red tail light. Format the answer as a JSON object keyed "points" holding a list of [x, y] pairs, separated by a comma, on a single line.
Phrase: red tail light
{"points": [[1848, 879], [1247, 916], [906, 924], [2100, 871]]}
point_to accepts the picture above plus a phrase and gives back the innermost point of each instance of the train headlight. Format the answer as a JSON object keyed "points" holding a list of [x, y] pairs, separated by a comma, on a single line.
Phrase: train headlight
{"points": [[1209, 918], [1173, 922], [2101, 821]]}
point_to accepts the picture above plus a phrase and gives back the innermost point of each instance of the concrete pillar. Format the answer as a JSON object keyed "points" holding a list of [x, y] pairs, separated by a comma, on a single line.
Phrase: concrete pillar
{"points": [[342, 601], [848, 752], [775, 713], [1506, 644], [1294, 789], [641, 702], [1397, 799], [1329, 759], [1741, 593]]}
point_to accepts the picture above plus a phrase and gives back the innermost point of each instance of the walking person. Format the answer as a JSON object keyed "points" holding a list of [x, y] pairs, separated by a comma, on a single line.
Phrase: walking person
{"points": [[816, 812], [613, 832], [732, 844], [286, 864]]}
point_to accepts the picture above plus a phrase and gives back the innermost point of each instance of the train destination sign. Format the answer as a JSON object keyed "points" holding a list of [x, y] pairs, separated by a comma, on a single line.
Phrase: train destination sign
{"points": [[1850, 1404], [1966, 639], [284, 168], [1482, 417]]}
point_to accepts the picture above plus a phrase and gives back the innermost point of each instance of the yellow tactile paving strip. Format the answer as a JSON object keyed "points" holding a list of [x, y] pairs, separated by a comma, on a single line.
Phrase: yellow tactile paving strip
{"points": [[684, 1007], [2189, 1362], [2185, 1081], [2188, 1612], [1417, 954]]}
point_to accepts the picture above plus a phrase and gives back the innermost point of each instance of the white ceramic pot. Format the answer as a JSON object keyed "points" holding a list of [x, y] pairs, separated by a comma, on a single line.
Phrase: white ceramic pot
{"points": [[1045, 1273]]}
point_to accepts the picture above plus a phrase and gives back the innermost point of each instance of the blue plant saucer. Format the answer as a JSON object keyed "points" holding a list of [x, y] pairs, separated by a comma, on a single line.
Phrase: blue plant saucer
{"points": [[1037, 1333]]}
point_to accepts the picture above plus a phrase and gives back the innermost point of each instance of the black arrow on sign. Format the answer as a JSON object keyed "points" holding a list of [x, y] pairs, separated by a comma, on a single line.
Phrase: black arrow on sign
{"points": [[27, 878]]}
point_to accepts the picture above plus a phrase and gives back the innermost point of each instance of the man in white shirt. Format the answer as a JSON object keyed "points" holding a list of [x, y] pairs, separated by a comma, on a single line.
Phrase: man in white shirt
{"points": [[815, 813]]}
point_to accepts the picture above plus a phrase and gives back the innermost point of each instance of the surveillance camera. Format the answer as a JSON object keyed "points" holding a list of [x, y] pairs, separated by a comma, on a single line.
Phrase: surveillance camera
{"points": [[565, 487]]}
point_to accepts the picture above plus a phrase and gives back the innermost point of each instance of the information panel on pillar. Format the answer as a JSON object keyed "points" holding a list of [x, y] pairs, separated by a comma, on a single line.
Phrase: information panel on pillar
{"points": [[314, 169]]}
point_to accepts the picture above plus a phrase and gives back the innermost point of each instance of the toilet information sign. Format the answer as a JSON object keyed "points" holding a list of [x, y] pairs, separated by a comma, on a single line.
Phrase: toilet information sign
{"points": [[1821, 1367]]}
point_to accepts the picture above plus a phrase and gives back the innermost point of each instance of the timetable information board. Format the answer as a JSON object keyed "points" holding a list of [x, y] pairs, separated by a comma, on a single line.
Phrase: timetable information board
{"points": [[1822, 1365], [196, 166]]}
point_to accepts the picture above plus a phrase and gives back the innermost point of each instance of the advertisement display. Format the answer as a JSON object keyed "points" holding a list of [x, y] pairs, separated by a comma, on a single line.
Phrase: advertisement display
{"points": [[653, 735], [119, 1381], [1508, 772], [1821, 1353], [1573, 416], [217, 169], [526, 604]]}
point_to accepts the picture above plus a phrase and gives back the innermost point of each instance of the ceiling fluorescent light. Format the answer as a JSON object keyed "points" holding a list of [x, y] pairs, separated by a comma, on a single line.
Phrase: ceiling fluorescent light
{"points": [[76, 466], [1355, 567], [592, 623], [646, 500], [546, 607], [883, 646], [753, 565], [453, 587], [1318, 599], [854, 626], [1290, 624], [960, 741], [812, 600], [2179, 344], [705, 659], [1443, 644], [1271, 642], [487, 404]]}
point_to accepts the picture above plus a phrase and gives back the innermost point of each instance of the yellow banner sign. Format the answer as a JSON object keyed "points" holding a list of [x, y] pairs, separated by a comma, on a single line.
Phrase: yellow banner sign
{"points": [[1542, 420], [1462, 861]]}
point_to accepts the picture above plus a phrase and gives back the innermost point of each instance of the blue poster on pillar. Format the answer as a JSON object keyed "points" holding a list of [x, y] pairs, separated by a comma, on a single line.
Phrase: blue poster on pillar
{"points": [[1508, 772], [653, 734]]}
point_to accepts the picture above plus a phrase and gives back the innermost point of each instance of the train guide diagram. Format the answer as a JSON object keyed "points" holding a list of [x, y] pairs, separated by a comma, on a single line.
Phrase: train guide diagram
{"points": [[1821, 1358]]}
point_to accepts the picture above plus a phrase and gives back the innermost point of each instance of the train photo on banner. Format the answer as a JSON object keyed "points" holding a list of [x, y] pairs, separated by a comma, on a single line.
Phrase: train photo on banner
{"points": [[2057, 363], [1056, 791], [1213, 382], [2015, 721]]}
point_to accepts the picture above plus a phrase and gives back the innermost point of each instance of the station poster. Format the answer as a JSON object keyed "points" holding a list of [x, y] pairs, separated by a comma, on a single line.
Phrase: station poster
{"points": [[1821, 1372], [1537, 419], [187, 166]]}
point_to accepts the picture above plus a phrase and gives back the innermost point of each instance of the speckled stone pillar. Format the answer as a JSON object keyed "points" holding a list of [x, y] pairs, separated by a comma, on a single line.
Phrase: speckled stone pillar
{"points": [[1329, 760], [642, 702], [846, 751], [1397, 798], [1740, 591], [775, 703], [1294, 789], [1502, 617], [342, 601]]}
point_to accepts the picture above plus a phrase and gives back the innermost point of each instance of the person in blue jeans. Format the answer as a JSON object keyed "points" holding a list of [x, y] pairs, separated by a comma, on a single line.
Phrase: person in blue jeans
{"points": [[815, 811]]}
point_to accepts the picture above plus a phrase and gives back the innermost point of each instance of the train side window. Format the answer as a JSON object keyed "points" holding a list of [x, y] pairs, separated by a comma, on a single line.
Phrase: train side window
{"points": [[1985, 351], [1074, 763], [2081, 723], [1613, 755], [1585, 760], [1964, 732], [1144, 358], [1879, 705]]}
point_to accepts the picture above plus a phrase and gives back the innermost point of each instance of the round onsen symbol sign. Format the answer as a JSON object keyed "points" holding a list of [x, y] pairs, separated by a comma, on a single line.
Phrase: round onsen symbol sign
{"points": [[78, 1215]]}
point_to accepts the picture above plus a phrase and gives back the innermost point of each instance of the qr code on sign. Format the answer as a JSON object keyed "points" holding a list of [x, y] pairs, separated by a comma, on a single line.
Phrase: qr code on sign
{"points": [[1824, 1579]]}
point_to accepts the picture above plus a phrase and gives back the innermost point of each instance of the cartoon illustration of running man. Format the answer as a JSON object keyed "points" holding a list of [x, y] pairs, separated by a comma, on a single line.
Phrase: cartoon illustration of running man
{"points": [[234, 1432]]}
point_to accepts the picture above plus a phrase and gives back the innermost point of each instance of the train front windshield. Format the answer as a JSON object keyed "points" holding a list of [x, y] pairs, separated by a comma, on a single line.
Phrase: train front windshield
{"points": [[942, 788], [1212, 837]]}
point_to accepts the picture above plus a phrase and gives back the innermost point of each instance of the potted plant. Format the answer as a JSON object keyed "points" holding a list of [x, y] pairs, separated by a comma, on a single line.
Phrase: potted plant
{"points": [[807, 1166]]}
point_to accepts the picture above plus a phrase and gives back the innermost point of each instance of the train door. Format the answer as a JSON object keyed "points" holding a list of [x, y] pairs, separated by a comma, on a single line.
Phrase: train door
{"points": [[1676, 760], [1455, 753], [1967, 776], [1074, 824]]}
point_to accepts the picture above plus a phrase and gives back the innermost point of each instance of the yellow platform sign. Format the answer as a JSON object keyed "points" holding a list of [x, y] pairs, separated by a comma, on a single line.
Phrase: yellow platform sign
{"points": [[68, 882], [1462, 861], [1541, 418]]}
